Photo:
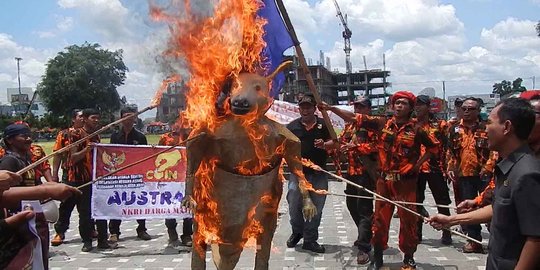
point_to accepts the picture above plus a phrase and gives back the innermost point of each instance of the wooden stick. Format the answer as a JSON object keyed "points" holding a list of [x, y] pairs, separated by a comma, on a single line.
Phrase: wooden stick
{"points": [[311, 165], [303, 64], [401, 202], [69, 146]]}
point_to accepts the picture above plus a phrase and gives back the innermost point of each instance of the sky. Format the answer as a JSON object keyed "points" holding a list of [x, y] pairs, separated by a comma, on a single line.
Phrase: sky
{"points": [[469, 44]]}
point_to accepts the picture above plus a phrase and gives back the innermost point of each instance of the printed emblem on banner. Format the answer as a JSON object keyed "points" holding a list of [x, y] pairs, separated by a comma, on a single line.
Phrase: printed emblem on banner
{"points": [[113, 160], [165, 164]]}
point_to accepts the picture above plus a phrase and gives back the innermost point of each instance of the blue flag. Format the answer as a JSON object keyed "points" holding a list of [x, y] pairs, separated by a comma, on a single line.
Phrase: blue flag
{"points": [[277, 40]]}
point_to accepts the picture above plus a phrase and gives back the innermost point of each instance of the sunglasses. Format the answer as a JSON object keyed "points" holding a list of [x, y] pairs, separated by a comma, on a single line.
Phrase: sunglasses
{"points": [[465, 109]]}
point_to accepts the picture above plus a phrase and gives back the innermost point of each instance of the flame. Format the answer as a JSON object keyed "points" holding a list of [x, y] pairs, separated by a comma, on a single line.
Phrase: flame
{"points": [[206, 217], [217, 49], [162, 88]]}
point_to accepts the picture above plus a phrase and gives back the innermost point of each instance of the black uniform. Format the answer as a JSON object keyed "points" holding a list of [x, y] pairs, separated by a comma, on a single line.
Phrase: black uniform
{"points": [[134, 137], [515, 208]]}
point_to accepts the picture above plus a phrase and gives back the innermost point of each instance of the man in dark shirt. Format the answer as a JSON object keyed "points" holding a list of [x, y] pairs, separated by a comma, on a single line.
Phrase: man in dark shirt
{"points": [[515, 228], [127, 134], [315, 138]]}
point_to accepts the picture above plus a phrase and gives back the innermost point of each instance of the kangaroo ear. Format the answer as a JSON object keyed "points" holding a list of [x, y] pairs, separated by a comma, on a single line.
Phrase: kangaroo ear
{"points": [[278, 69]]}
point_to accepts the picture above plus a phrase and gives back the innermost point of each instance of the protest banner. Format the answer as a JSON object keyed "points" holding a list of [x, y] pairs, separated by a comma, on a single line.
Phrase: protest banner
{"points": [[152, 189]]}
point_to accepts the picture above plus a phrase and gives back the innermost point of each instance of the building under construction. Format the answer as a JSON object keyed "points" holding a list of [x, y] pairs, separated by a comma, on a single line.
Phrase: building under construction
{"points": [[333, 86]]}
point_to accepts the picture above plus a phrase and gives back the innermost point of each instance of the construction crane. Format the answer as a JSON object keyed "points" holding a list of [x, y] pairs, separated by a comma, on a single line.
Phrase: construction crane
{"points": [[347, 33]]}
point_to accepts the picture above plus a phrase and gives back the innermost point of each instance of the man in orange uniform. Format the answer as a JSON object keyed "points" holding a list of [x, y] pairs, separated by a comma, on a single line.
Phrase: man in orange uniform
{"points": [[400, 160], [177, 135], [431, 171], [62, 141], [360, 146], [468, 154], [78, 168], [485, 198]]}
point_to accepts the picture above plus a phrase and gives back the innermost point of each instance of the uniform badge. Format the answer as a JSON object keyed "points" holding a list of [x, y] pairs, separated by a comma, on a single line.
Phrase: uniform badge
{"points": [[319, 126], [505, 183]]}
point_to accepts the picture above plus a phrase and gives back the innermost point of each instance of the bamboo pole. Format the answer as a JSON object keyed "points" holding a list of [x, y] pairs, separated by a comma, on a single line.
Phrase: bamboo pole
{"points": [[400, 202], [311, 165], [303, 64], [68, 147]]}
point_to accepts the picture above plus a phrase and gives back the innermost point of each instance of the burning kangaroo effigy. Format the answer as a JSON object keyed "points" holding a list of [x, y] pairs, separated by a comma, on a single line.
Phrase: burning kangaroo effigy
{"points": [[233, 182], [241, 197]]}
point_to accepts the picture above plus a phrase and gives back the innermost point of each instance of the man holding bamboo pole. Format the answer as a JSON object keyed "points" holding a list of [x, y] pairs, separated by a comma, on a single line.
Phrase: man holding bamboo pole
{"points": [[360, 147], [400, 159], [79, 164]]}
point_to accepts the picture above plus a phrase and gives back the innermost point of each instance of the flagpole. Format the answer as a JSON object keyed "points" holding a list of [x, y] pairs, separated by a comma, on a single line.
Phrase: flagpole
{"points": [[303, 64]]}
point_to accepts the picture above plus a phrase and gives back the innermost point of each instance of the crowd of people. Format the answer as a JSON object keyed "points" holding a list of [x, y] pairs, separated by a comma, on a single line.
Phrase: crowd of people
{"points": [[491, 165], [69, 171], [398, 155]]}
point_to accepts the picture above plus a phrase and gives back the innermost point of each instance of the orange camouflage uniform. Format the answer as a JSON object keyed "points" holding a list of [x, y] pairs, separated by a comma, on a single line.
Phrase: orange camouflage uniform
{"points": [[399, 151], [439, 130], [366, 144], [486, 197], [81, 171], [468, 150]]}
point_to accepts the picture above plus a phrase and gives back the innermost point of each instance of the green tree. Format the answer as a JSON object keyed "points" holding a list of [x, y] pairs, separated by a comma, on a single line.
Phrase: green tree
{"points": [[83, 76], [516, 85], [502, 88]]}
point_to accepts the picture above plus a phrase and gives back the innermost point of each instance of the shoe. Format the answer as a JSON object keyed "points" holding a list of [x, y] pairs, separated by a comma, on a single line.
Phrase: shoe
{"points": [[173, 235], [87, 247], [186, 240], [408, 263], [362, 258], [446, 238], [106, 245], [94, 234], [472, 247], [377, 259], [113, 238], [313, 246], [58, 239], [294, 239], [144, 236]]}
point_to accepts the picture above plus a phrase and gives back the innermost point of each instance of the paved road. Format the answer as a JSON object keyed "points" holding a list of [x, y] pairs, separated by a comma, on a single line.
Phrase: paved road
{"points": [[337, 233]]}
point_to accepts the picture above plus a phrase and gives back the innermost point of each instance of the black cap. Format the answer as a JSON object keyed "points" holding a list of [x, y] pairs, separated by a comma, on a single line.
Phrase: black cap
{"points": [[308, 98], [16, 129], [364, 101], [423, 99]]}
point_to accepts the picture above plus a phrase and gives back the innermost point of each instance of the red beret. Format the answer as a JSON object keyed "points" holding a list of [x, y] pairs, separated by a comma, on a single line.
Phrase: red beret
{"points": [[529, 94], [403, 94]]}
